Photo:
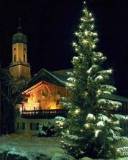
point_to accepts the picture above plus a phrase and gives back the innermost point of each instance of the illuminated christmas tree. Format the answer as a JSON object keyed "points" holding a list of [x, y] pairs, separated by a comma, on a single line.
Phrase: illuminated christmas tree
{"points": [[90, 128]]}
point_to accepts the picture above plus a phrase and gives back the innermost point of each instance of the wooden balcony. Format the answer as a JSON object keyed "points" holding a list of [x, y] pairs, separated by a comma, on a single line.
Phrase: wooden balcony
{"points": [[43, 114]]}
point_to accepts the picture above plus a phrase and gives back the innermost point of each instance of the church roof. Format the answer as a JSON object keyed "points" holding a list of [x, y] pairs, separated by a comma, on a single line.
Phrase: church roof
{"points": [[52, 77], [19, 37]]}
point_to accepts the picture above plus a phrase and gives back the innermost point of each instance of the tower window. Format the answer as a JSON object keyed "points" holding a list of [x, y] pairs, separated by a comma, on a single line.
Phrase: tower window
{"points": [[14, 58], [24, 57]]}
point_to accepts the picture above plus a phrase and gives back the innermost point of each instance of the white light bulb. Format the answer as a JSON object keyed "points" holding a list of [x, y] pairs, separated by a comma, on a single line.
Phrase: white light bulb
{"points": [[95, 34], [86, 33], [82, 19], [77, 111], [85, 41], [76, 33], [92, 26], [93, 46], [90, 14], [92, 19], [76, 49], [80, 26], [74, 44], [87, 125], [68, 131]]}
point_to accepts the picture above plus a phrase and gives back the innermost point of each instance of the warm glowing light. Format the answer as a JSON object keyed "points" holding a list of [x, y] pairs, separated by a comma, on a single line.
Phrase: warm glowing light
{"points": [[32, 104], [52, 105], [44, 96]]}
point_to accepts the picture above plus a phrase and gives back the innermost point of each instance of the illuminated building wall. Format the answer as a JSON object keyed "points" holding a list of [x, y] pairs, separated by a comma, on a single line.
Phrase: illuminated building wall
{"points": [[43, 95]]}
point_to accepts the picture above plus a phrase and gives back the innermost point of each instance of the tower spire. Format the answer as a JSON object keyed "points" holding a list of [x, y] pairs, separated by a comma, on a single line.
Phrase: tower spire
{"points": [[19, 28]]}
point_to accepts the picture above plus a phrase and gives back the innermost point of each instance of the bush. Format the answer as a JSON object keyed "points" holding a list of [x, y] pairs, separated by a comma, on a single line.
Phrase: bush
{"points": [[59, 156], [46, 131]]}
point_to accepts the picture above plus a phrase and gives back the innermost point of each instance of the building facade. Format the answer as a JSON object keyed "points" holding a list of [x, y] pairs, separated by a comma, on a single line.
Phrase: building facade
{"points": [[41, 102], [42, 92]]}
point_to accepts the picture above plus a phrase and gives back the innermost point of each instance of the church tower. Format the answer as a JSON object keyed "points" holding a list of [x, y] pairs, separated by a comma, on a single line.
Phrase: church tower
{"points": [[19, 67]]}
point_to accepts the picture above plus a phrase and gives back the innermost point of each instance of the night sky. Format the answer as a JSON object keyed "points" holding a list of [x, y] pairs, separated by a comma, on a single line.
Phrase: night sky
{"points": [[50, 24]]}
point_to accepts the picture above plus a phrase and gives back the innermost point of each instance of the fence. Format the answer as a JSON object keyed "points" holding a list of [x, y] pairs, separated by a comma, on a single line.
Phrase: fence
{"points": [[39, 114]]}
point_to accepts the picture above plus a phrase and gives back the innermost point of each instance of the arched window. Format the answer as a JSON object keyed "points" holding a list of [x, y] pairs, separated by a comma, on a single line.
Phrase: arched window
{"points": [[14, 58], [24, 57]]}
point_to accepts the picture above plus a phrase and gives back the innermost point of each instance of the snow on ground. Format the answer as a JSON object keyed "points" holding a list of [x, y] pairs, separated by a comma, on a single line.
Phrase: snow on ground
{"points": [[30, 144]]}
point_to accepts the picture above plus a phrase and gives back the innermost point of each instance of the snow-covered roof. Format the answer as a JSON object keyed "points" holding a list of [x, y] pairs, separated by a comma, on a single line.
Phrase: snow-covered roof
{"points": [[56, 77], [117, 98]]}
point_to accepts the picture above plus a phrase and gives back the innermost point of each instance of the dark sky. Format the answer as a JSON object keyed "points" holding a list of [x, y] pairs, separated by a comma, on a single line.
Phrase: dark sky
{"points": [[50, 24]]}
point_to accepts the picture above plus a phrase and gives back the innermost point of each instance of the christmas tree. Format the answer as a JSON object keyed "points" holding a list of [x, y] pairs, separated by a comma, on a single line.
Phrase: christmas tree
{"points": [[90, 128]]}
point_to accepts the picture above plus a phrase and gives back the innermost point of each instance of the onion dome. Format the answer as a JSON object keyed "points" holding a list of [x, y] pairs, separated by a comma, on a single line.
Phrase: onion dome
{"points": [[19, 37]]}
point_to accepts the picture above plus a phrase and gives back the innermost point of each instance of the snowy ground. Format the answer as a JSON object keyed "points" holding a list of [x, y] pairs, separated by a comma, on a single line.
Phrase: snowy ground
{"points": [[26, 143]]}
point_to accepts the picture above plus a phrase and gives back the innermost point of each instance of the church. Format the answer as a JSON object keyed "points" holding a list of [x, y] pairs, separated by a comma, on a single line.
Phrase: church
{"points": [[42, 92]]}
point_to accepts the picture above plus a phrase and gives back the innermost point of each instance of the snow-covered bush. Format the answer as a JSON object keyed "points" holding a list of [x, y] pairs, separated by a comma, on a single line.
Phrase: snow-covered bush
{"points": [[59, 156], [46, 130], [59, 122]]}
